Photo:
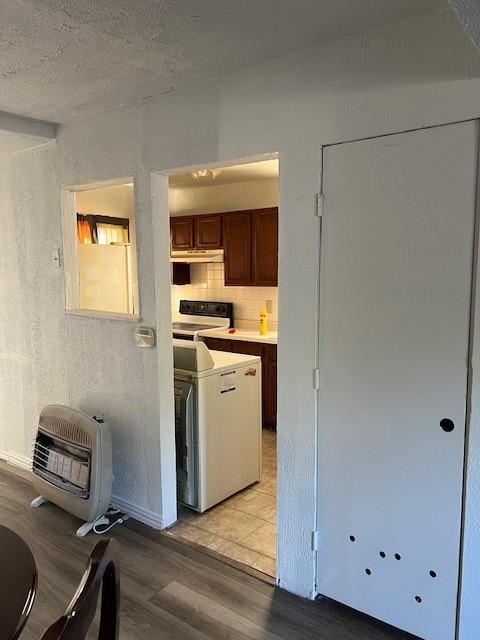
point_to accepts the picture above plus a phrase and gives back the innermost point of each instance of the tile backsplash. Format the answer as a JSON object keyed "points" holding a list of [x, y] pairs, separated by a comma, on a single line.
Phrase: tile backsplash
{"points": [[207, 283]]}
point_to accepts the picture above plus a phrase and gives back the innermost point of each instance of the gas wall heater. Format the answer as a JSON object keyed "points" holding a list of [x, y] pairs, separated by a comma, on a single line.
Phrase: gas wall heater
{"points": [[72, 463]]}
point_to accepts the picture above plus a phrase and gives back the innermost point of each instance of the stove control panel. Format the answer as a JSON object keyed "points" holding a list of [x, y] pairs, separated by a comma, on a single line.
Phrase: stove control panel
{"points": [[211, 309]]}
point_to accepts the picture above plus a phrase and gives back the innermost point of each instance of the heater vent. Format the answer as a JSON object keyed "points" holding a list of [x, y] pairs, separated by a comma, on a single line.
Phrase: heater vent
{"points": [[66, 430]]}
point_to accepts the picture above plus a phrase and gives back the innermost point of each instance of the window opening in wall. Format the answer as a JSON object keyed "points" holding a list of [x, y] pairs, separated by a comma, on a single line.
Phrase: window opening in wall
{"points": [[100, 249]]}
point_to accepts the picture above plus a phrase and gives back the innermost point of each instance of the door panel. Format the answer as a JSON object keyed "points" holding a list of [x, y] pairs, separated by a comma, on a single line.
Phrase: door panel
{"points": [[208, 232], [396, 265], [182, 233], [265, 247], [237, 243]]}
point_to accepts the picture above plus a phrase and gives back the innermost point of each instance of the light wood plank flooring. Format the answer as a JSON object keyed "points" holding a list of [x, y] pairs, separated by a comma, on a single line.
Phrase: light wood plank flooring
{"points": [[170, 591], [242, 527]]}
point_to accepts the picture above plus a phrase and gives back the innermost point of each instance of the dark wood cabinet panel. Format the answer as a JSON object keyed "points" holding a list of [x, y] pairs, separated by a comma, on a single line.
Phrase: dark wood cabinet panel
{"points": [[265, 247], [208, 232], [182, 233], [237, 243], [269, 403], [249, 348], [218, 344], [180, 273]]}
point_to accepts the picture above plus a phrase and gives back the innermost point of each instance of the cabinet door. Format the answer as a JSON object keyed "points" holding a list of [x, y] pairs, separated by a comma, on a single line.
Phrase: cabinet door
{"points": [[182, 233], [270, 386], [208, 232], [237, 244], [180, 273], [218, 344], [265, 247]]}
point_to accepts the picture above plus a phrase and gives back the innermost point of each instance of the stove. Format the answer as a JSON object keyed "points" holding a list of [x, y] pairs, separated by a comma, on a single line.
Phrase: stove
{"points": [[197, 316]]}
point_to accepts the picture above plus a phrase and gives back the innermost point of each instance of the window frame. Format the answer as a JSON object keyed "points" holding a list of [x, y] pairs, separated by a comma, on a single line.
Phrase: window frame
{"points": [[70, 254]]}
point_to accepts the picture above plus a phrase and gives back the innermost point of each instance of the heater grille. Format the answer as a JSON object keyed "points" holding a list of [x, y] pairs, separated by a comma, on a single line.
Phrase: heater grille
{"points": [[66, 430]]}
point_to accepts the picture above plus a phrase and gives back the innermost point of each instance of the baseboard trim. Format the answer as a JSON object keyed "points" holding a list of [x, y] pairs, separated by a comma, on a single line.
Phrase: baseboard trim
{"points": [[145, 516], [17, 460]]}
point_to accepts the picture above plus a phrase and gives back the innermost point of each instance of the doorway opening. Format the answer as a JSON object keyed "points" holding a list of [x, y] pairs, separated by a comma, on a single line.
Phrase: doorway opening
{"points": [[224, 293]]}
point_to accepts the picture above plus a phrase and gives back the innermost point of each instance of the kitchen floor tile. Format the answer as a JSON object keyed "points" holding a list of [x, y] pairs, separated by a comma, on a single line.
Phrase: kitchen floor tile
{"points": [[255, 503], [263, 540], [242, 527], [228, 523]]}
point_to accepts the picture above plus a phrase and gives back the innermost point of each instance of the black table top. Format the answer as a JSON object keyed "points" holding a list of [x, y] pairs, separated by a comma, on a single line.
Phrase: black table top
{"points": [[18, 583]]}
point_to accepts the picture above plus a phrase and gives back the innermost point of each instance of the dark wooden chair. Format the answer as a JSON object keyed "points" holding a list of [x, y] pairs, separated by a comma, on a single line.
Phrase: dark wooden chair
{"points": [[18, 584], [102, 571]]}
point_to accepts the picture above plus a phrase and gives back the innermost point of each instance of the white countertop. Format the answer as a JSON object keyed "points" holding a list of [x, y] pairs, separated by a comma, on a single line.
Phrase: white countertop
{"points": [[241, 334]]}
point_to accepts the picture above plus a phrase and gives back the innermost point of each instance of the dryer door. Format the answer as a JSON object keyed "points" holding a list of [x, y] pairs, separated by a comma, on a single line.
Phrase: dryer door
{"points": [[186, 443]]}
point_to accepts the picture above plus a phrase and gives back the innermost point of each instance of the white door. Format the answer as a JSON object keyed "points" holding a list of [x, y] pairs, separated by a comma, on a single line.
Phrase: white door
{"points": [[397, 244]]}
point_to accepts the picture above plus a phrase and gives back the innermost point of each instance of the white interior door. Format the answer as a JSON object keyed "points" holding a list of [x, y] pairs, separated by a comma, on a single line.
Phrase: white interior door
{"points": [[397, 245]]}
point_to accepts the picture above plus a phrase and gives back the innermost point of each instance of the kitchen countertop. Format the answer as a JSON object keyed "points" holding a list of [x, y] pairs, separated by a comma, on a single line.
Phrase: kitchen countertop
{"points": [[241, 334]]}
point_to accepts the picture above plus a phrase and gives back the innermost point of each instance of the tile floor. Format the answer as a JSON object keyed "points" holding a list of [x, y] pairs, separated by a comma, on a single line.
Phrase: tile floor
{"points": [[243, 526]]}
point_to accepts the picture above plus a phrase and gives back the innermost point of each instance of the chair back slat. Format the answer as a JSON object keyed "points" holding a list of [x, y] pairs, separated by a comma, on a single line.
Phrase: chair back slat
{"points": [[102, 572]]}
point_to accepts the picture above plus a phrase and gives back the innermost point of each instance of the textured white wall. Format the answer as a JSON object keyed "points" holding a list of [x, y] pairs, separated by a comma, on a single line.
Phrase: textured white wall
{"points": [[417, 73], [235, 196]]}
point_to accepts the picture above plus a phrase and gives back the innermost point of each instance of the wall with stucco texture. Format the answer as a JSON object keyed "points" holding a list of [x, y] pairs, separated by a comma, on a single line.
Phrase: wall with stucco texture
{"points": [[416, 73], [235, 196]]}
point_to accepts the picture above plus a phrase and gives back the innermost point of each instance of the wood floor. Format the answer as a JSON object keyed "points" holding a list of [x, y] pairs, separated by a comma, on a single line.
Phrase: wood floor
{"points": [[170, 591]]}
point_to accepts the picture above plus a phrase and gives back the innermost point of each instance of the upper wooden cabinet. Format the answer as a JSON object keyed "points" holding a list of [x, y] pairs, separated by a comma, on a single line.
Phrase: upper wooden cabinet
{"points": [[237, 241], [208, 232], [182, 233], [250, 240], [265, 247]]}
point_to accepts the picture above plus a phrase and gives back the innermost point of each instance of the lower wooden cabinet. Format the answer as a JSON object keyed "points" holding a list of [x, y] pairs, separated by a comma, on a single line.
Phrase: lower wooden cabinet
{"points": [[268, 354]]}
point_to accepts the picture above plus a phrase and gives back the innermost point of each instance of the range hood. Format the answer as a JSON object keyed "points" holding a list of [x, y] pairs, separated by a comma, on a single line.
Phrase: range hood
{"points": [[194, 256]]}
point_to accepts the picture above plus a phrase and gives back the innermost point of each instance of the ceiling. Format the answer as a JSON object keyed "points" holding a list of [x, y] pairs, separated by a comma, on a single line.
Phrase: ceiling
{"points": [[60, 59], [261, 170]]}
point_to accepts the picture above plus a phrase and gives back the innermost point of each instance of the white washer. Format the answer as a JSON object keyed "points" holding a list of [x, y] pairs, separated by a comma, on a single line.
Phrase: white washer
{"points": [[218, 423]]}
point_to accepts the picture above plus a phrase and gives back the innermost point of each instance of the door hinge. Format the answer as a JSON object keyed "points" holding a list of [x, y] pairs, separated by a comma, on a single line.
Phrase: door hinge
{"points": [[316, 378], [314, 540], [319, 198]]}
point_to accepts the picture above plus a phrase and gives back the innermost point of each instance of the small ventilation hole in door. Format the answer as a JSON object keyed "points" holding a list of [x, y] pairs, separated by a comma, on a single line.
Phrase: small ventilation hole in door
{"points": [[433, 574], [398, 556], [383, 554], [447, 424], [352, 538], [368, 572], [418, 599]]}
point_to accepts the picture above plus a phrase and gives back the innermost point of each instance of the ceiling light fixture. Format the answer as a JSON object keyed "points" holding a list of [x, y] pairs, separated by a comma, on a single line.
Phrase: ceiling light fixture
{"points": [[205, 175]]}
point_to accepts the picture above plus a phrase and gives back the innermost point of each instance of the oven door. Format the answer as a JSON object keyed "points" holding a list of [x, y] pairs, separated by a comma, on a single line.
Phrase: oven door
{"points": [[186, 442]]}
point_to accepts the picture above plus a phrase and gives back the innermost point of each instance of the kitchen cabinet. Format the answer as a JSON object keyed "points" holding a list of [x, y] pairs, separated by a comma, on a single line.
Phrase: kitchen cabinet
{"points": [[182, 233], [208, 232], [269, 402], [268, 354], [251, 247], [265, 247], [180, 273], [237, 240]]}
